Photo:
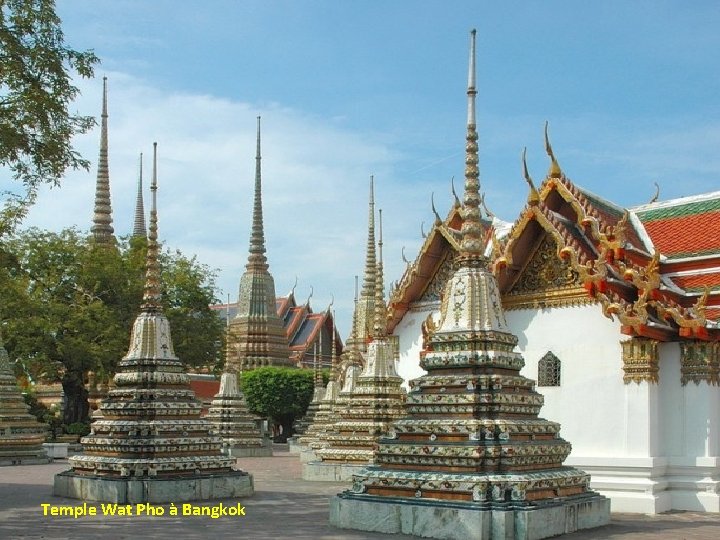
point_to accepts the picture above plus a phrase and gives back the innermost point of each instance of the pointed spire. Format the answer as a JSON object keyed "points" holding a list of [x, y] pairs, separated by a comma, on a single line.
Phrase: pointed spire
{"points": [[472, 230], [370, 257], [102, 229], [139, 229], [533, 196], [317, 378], [380, 319], [257, 258], [151, 297]]}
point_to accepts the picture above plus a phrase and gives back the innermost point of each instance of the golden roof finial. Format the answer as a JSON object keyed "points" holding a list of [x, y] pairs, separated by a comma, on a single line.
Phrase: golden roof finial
{"points": [[307, 302], [472, 243], [554, 171], [456, 202], [438, 219], [422, 229], [533, 196], [151, 295], [487, 210]]}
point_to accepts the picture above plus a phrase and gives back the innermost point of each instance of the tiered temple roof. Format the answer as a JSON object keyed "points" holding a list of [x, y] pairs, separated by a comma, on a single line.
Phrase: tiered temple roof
{"points": [[21, 435], [257, 336], [151, 427]]}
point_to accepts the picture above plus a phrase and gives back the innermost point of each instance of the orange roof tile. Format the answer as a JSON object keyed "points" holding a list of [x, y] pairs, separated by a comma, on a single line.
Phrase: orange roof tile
{"points": [[697, 282], [686, 236]]}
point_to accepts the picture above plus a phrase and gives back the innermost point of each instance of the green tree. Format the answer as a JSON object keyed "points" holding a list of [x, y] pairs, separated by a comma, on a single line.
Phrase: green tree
{"points": [[281, 393], [36, 91], [70, 304]]}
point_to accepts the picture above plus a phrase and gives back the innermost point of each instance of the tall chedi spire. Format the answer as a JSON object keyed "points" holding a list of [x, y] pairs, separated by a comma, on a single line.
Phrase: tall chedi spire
{"points": [[139, 229], [375, 402], [365, 308], [150, 444], [21, 435], [257, 333], [471, 459], [102, 229]]}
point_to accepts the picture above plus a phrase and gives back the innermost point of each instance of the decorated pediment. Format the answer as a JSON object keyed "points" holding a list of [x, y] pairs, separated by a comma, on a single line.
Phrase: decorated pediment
{"points": [[546, 280]]}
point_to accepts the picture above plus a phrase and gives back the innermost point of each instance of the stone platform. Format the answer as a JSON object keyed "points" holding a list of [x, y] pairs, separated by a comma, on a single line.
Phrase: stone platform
{"points": [[448, 521], [153, 490], [250, 451], [294, 446], [322, 471], [307, 455]]}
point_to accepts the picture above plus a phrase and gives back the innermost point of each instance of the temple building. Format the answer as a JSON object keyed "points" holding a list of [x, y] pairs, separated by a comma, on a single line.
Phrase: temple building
{"points": [[21, 435], [472, 458], [149, 443], [616, 308], [257, 337], [305, 329]]}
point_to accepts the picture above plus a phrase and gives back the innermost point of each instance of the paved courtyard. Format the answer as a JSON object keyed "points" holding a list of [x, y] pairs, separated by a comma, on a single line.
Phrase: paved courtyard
{"points": [[284, 506]]}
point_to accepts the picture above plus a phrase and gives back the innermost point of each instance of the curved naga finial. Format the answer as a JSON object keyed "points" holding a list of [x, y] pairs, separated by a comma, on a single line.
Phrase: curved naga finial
{"points": [[487, 210], [404, 258], [657, 193], [554, 171], [454, 193], [307, 302], [422, 229], [533, 196], [438, 219], [292, 291]]}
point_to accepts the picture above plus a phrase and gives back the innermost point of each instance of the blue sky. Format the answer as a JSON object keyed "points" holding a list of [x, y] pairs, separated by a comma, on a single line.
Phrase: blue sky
{"points": [[349, 89]]}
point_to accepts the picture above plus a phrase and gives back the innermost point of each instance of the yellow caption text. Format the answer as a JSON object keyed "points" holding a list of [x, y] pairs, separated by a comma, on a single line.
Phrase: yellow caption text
{"points": [[142, 509]]}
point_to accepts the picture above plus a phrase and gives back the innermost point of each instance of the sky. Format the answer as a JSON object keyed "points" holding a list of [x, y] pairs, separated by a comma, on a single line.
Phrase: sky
{"points": [[349, 89]]}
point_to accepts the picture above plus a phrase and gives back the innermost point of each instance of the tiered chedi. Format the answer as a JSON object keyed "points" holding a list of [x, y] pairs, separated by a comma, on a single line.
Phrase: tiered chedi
{"points": [[232, 421], [151, 445], [21, 435], [377, 399], [257, 336], [472, 458], [324, 418], [102, 229], [301, 426]]}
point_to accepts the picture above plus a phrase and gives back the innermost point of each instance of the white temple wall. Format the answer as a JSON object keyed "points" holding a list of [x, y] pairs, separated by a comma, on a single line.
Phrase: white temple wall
{"points": [[409, 332], [590, 403]]}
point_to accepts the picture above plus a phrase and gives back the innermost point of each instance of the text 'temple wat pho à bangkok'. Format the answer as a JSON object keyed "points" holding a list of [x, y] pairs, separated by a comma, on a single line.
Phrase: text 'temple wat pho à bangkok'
{"points": [[521, 379]]}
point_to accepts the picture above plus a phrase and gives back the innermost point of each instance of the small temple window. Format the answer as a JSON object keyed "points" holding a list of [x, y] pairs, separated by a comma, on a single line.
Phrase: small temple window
{"points": [[549, 370]]}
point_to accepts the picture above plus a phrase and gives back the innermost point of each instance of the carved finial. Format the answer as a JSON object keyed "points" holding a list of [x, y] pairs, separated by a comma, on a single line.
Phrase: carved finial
{"points": [[554, 171], [533, 196], [102, 229], [487, 210], [257, 258], [404, 258], [438, 219], [657, 193], [456, 202], [139, 229], [307, 302], [292, 291], [151, 296], [422, 229], [472, 242]]}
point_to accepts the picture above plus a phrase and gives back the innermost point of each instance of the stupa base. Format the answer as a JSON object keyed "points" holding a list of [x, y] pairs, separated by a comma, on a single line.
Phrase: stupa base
{"points": [[250, 451], [227, 485], [294, 447], [448, 521], [307, 455], [322, 471]]}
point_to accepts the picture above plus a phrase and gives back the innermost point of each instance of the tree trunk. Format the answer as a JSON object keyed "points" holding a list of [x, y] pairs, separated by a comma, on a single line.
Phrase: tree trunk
{"points": [[77, 408]]}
